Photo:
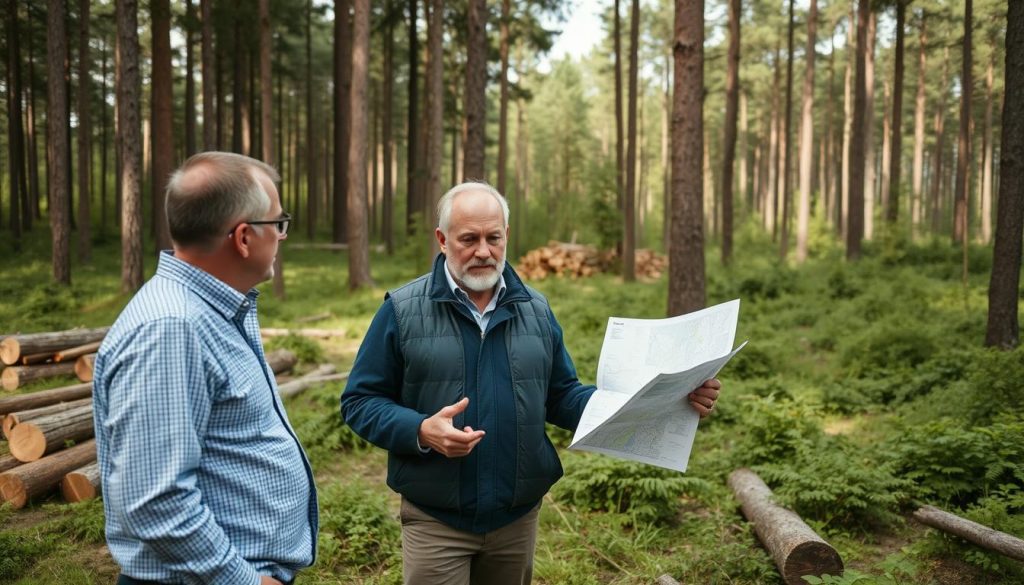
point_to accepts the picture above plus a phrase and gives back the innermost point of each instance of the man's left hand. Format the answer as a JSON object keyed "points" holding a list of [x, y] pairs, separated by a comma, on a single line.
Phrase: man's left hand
{"points": [[703, 399]]}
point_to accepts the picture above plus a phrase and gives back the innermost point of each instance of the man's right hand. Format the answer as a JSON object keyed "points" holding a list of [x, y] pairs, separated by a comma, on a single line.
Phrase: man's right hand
{"points": [[439, 433]]}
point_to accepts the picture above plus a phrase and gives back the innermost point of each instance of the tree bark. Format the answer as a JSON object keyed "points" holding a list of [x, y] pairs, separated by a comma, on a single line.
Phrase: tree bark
{"points": [[388, 205], [1003, 327], [412, 178], [358, 239], [342, 123], [786, 141], [503, 48], [57, 140], [855, 229], [796, 549], [629, 199], [686, 254], [979, 534], [84, 136], [844, 204], [75, 352], [163, 118], [917, 205], [940, 143], [209, 77], [869, 128], [128, 92], [312, 167], [81, 484], [732, 97], [190, 80], [8, 461], [964, 145], [13, 347], [435, 113], [32, 479], [281, 360], [15, 418], [475, 96], [620, 135], [44, 398], [14, 377], [896, 142], [986, 172], [15, 141], [807, 138], [30, 441]]}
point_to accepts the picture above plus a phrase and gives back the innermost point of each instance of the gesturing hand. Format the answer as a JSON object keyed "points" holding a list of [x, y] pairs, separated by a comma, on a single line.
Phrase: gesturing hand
{"points": [[438, 432], [703, 399]]}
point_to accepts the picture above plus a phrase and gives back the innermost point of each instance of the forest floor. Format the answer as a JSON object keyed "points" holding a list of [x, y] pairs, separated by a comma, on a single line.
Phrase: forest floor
{"points": [[850, 373]]}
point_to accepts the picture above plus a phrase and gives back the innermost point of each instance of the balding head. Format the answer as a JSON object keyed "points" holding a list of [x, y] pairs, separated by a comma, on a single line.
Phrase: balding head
{"points": [[210, 192], [444, 205]]}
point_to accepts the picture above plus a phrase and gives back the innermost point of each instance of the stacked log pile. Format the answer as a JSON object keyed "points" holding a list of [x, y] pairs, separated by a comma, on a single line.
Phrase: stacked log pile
{"points": [[40, 425], [40, 356], [562, 260]]}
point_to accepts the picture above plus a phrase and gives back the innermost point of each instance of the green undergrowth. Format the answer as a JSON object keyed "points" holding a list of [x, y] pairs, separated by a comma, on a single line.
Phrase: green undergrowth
{"points": [[864, 392]]}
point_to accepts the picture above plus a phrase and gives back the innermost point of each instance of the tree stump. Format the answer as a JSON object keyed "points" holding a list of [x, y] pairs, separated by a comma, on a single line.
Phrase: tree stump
{"points": [[796, 549], [32, 479], [31, 440]]}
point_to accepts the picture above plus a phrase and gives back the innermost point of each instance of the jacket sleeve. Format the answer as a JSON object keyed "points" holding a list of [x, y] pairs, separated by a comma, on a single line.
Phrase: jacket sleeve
{"points": [[371, 403], [567, 397]]}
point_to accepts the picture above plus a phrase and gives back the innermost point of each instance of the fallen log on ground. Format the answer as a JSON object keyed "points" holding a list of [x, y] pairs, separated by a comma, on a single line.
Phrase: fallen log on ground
{"points": [[7, 461], [30, 441], [13, 419], [36, 358], [666, 580], [15, 346], [84, 366], [796, 549], [314, 318], [281, 360], [979, 534], [317, 333], [81, 484], [32, 479], [44, 398], [76, 352], [16, 376], [324, 373]]}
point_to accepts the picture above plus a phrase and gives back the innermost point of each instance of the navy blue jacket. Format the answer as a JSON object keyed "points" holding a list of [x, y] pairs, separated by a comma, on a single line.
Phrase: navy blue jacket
{"points": [[424, 351]]}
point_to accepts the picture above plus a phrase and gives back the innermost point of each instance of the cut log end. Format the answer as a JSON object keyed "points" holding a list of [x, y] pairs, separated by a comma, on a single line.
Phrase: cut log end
{"points": [[27, 442], [10, 351], [76, 487], [12, 490], [10, 421], [83, 367], [9, 379], [811, 558]]}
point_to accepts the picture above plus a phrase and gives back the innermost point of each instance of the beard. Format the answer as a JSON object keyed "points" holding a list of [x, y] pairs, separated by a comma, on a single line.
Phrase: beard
{"points": [[478, 283]]}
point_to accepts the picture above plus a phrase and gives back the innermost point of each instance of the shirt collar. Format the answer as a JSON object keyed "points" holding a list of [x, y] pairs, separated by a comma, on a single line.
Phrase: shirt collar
{"points": [[225, 300], [456, 289]]}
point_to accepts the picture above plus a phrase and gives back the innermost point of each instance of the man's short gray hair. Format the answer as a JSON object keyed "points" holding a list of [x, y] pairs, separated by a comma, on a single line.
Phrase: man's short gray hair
{"points": [[210, 191], [444, 204]]}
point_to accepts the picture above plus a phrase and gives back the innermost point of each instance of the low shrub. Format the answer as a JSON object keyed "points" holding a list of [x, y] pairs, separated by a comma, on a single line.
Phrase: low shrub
{"points": [[356, 528]]}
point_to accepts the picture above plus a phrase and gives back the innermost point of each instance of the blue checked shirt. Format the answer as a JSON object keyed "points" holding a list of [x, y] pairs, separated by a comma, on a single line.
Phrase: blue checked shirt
{"points": [[204, 480]]}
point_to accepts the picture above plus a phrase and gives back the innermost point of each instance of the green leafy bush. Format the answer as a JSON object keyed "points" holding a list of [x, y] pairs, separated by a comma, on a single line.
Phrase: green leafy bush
{"points": [[648, 494], [772, 429], [356, 527], [307, 350]]}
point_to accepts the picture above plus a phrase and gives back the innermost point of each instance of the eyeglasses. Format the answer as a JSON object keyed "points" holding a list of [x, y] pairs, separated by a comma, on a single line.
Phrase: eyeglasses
{"points": [[282, 223]]}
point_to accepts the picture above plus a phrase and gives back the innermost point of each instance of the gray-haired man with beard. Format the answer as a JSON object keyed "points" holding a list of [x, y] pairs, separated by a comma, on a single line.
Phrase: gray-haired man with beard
{"points": [[458, 373]]}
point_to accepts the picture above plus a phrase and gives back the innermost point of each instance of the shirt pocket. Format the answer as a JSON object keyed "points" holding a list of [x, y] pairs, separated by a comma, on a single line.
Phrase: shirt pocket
{"points": [[242, 408]]}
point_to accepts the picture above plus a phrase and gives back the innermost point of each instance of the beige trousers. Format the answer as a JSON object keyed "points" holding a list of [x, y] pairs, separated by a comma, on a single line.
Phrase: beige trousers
{"points": [[434, 553]]}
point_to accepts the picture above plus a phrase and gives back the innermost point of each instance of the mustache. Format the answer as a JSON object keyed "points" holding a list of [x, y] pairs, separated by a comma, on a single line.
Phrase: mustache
{"points": [[482, 263]]}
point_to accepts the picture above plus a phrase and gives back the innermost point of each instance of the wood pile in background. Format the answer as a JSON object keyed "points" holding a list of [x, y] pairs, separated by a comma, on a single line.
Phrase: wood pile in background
{"points": [[561, 259], [40, 356]]}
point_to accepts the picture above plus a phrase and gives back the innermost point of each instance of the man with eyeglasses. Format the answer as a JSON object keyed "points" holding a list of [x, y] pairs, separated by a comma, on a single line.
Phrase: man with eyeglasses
{"points": [[204, 480]]}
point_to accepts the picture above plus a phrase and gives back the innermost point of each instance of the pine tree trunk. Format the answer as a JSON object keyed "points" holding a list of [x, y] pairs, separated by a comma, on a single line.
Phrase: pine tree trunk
{"points": [[620, 134], [964, 144], [732, 97], [686, 255], [209, 77], [342, 127], [629, 201], [886, 158], [775, 143], [851, 56], [1003, 325], [784, 240], [869, 130], [435, 113], [388, 205], [15, 149], [103, 143], [896, 142], [807, 138], [84, 137], [855, 228], [190, 80], [163, 116], [917, 206], [412, 178], [128, 94], [30, 201], [358, 238], [940, 143], [57, 140], [312, 168], [506, 10], [986, 167], [475, 96]]}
